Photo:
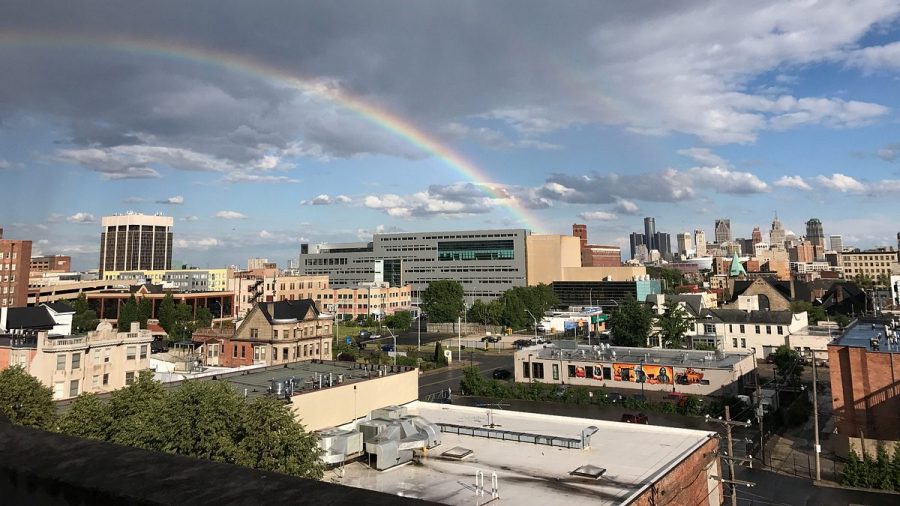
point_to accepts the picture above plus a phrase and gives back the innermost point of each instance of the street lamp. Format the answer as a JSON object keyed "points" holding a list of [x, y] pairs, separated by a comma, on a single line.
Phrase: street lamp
{"points": [[535, 323]]}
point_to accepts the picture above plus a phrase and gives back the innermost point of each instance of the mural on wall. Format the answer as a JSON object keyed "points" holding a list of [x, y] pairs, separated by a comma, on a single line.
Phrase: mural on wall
{"points": [[689, 377], [637, 373]]}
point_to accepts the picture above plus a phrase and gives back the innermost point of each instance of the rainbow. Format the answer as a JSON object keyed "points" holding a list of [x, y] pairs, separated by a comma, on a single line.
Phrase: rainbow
{"points": [[376, 115]]}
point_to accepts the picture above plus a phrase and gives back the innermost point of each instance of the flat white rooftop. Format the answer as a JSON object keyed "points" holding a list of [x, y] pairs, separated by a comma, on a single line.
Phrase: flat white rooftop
{"points": [[634, 457]]}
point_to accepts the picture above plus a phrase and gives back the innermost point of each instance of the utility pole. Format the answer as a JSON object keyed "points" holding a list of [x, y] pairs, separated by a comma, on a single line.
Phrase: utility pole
{"points": [[818, 448], [730, 458], [760, 415]]}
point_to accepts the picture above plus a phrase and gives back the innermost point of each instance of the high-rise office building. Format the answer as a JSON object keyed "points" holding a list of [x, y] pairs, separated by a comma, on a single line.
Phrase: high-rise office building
{"points": [[650, 233], [134, 241], [723, 230], [815, 234], [837, 243], [636, 239], [15, 262], [777, 235], [663, 244], [684, 243], [756, 236], [700, 241]]}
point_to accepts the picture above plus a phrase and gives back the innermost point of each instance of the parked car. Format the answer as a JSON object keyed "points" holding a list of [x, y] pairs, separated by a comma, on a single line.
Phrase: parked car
{"points": [[364, 334], [604, 335], [387, 347], [501, 374], [521, 343], [490, 339], [159, 346], [635, 418]]}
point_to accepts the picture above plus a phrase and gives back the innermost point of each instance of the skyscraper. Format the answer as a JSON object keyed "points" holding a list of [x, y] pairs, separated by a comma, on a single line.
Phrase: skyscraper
{"points": [[777, 234], [684, 243], [636, 239], [700, 241], [837, 243], [815, 233], [650, 233], [723, 230], [756, 236], [134, 241], [663, 244]]}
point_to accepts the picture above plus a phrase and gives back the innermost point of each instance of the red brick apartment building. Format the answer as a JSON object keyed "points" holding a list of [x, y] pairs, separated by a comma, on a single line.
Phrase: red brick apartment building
{"points": [[15, 262]]}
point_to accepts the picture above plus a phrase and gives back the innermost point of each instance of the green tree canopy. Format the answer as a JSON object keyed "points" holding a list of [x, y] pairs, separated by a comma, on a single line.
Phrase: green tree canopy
{"points": [[129, 312], [673, 325], [443, 300], [400, 321], [136, 410], [670, 277], [485, 313], [439, 357], [85, 318], [630, 323], [203, 419], [813, 313], [87, 417], [166, 313], [24, 400], [788, 364], [274, 441]]}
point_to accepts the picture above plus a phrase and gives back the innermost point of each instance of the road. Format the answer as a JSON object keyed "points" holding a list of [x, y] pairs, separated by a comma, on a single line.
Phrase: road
{"points": [[432, 382]]}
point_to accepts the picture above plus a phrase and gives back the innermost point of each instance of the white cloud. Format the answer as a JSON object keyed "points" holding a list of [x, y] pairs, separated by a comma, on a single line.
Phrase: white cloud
{"points": [[626, 207], [840, 182], [190, 218], [176, 200], [703, 156], [342, 199], [598, 216], [244, 177], [230, 215], [264, 234], [81, 218], [796, 182], [203, 243]]}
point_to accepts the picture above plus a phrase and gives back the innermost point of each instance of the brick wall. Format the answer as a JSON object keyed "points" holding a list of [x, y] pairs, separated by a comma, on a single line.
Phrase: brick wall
{"points": [[689, 482]]}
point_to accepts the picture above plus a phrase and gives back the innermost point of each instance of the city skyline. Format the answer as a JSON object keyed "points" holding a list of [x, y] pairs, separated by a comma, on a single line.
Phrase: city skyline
{"points": [[322, 123]]}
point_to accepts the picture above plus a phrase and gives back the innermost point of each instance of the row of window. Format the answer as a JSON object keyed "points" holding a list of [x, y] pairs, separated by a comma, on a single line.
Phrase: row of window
{"points": [[74, 385], [74, 360]]}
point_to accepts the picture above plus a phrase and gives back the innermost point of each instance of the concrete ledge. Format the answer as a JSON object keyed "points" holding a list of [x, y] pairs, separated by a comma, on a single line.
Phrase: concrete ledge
{"points": [[38, 468]]}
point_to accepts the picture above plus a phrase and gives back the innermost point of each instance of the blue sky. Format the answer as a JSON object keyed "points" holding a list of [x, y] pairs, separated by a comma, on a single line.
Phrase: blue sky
{"points": [[587, 112]]}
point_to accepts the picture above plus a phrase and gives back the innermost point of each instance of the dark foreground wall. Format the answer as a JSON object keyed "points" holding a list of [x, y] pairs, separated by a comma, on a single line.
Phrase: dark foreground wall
{"points": [[42, 468]]}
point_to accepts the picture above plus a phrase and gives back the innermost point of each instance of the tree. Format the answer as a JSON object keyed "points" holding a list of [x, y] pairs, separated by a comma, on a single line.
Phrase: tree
{"points": [[443, 300], [85, 318], [87, 417], [166, 314], [813, 313], [788, 364], [852, 473], [24, 400], [145, 310], [513, 308], [486, 314], [274, 441], [439, 357], [674, 324], [203, 319], [129, 312], [203, 419], [399, 321], [630, 323], [136, 410], [184, 321], [670, 277]]}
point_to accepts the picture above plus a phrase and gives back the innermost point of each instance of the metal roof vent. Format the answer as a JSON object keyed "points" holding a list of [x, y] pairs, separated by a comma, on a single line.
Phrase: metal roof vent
{"points": [[589, 471], [457, 453]]}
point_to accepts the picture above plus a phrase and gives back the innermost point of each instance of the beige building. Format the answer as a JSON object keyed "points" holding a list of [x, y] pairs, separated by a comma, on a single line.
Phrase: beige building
{"points": [[100, 361], [552, 258], [871, 263]]}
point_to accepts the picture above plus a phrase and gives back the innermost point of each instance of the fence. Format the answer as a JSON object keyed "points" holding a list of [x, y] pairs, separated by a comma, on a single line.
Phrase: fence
{"points": [[466, 328]]}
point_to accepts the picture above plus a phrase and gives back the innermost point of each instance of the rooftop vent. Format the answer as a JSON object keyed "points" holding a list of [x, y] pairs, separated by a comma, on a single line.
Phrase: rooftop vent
{"points": [[589, 471], [457, 453]]}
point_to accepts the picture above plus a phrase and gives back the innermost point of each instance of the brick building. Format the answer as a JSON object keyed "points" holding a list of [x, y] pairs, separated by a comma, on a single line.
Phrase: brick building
{"points": [[864, 366], [15, 257], [594, 255], [50, 263]]}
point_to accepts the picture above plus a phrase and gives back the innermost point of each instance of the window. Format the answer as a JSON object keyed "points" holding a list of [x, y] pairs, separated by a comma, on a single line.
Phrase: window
{"points": [[130, 353], [768, 329], [76, 361], [144, 351], [709, 328], [61, 362], [243, 351], [106, 356], [254, 333], [757, 329], [742, 329], [96, 355], [571, 371], [743, 343], [58, 389], [95, 381], [607, 373], [526, 371], [734, 342], [537, 370], [556, 372], [284, 354], [730, 329], [274, 334], [129, 378], [234, 351], [73, 388], [780, 330], [106, 379]]}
